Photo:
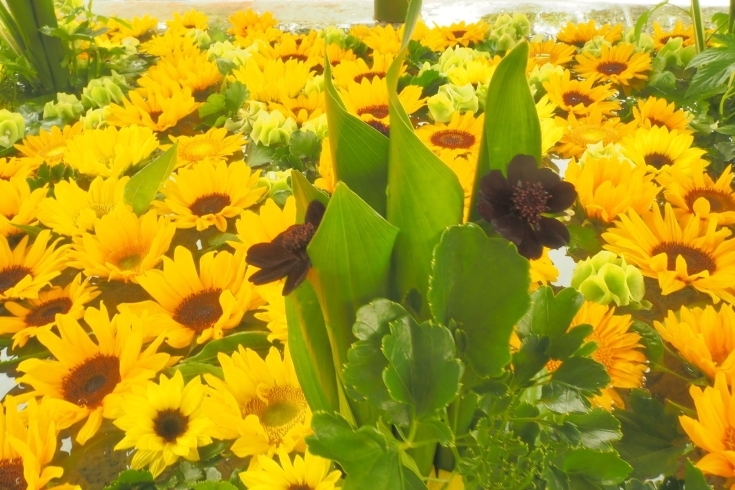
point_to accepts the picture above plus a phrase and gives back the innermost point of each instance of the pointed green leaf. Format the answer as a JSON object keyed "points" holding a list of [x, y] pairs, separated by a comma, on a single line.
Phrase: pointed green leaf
{"points": [[605, 468], [694, 479], [550, 315], [141, 189], [257, 341], [598, 428], [466, 288], [581, 373], [304, 192]]}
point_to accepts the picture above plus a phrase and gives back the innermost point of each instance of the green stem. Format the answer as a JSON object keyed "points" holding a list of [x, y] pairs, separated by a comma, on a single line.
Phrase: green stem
{"points": [[731, 24], [391, 10], [698, 26]]}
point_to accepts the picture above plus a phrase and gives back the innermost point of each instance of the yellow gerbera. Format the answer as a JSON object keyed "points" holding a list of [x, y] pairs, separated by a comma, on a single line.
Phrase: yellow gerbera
{"points": [[541, 53], [248, 20], [18, 205], [25, 270], [661, 37], [158, 112], [40, 314], [579, 34], [14, 167], [275, 80], [86, 380], [695, 192], [658, 112], [693, 254], [207, 194], [199, 304], [164, 421], [660, 149], [212, 146], [274, 311], [124, 245], [357, 70], [703, 336], [616, 64], [714, 429], [475, 72], [110, 151], [73, 211], [259, 404], [191, 19], [580, 97], [327, 179], [618, 349], [194, 72], [543, 270], [301, 108], [48, 146], [264, 226], [608, 187], [462, 136], [442, 37], [307, 473], [593, 129]]}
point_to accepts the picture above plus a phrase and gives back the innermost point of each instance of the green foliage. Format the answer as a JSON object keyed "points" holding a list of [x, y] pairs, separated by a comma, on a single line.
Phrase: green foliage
{"points": [[142, 188], [132, 480], [715, 66], [47, 175], [257, 341], [223, 105], [695, 479]]}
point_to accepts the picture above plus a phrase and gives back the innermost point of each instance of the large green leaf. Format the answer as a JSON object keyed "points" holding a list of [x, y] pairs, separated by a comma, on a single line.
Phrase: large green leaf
{"points": [[512, 125], [142, 187], [604, 468], [257, 341], [550, 315], [695, 479], [359, 152], [304, 192], [481, 284]]}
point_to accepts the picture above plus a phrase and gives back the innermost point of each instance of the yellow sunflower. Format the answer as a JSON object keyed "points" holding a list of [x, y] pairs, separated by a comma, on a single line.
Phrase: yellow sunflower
{"points": [[381, 39], [264, 226], [124, 245], [703, 336], [464, 167], [616, 64], [169, 43], [207, 194], [136, 27], [164, 421], [110, 151], [18, 205], [306, 48], [327, 179], [608, 187], [661, 37], [579, 34], [14, 167], [275, 80], [259, 404], [73, 211], [580, 97], [658, 112], [191, 19], [212, 146], [660, 149], [475, 72], [618, 349], [274, 311], [541, 53], [714, 429], [693, 254], [86, 380], [551, 134], [307, 473], [158, 112], [39, 314], [462, 136], [579, 133], [301, 108], [458, 33], [25, 270], [543, 270], [201, 304], [357, 70], [48, 146], [695, 192], [194, 72], [244, 21], [253, 37]]}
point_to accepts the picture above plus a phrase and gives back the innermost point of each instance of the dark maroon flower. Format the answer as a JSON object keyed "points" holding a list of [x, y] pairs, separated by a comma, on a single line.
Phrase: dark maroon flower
{"points": [[286, 255], [516, 206]]}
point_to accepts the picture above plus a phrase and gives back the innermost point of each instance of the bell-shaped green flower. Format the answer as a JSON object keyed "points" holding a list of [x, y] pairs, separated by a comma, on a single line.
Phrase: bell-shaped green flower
{"points": [[451, 98], [440, 107], [94, 118], [318, 126], [644, 43], [227, 51], [67, 108], [12, 128], [103, 91], [277, 182], [202, 38], [509, 30], [272, 128], [606, 278], [334, 34]]}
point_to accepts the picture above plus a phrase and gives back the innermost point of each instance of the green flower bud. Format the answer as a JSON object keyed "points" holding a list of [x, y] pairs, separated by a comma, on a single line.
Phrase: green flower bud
{"points": [[334, 35], [276, 182], [505, 42], [606, 278], [12, 128], [318, 126], [95, 118], [272, 128], [201, 37], [227, 51], [594, 45], [463, 98], [316, 84], [247, 115], [644, 43], [440, 107], [67, 108], [457, 56], [103, 91]]}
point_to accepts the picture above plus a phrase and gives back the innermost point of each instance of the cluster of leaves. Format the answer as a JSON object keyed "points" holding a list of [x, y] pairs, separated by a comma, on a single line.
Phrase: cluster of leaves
{"points": [[223, 105], [185, 476]]}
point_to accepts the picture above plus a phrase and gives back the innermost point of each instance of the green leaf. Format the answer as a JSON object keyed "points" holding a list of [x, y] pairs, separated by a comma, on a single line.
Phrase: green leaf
{"points": [[485, 310], [651, 340], [257, 341], [560, 399], [214, 485], [132, 479], [550, 315], [191, 369], [304, 192], [359, 152], [530, 359], [259, 155], [598, 429], [581, 373], [643, 20], [605, 468], [434, 429], [568, 344], [423, 371], [142, 187], [235, 96], [304, 145], [512, 125], [714, 66], [694, 479]]}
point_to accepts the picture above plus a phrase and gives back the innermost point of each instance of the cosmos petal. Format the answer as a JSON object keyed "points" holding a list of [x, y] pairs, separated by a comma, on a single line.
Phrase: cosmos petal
{"points": [[563, 195], [268, 255], [552, 233]]}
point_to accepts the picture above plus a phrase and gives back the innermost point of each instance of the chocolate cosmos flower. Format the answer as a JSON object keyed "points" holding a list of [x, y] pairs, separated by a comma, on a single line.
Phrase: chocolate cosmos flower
{"points": [[286, 255], [515, 206]]}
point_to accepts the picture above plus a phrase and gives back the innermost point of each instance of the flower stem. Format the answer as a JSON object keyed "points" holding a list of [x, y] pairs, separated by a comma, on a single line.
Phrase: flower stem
{"points": [[698, 26], [391, 10]]}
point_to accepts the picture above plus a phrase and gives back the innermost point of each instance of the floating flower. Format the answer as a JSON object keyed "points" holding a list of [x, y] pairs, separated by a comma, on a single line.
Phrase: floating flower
{"points": [[272, 128], [678, 255], [39, 314], [25, 270], [110, 151], [48, 146], [164, 421], [265, 226], [259, 403], [579, 133], [195, 72], [541, 53], [85, 381], [605, 278], [136, 27], [124, 245], [579, 34], [307, 473], [580, 97], [462, 136], [18, 205], [477, 72], [658, 112], [158, 112], [12, 127], [617, 64], [212, 146], [458, 33], [274, 80], [516, 205], [658, 148], [305, 48], [302, 108], [381, 39], [661, 37]]}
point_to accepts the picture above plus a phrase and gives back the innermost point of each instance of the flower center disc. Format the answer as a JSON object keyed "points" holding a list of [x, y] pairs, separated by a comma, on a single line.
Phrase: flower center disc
{"points": [[211, 204], [199, 149], [90, 382], [11, 474], [11, 276], [128, 260], [575, 98], [45, 313], [295, 56], [284, 408], [200, 310], [369, 75], [297, 237], [719, 201], [383, 129], [170, 424], [529, 202], [666, 39], [592, 134], [378, 111], [658, 160], [299, 487], [459, 33], [101, 209], [453, 139], [612, 67], [696, 260], [656, 122]]}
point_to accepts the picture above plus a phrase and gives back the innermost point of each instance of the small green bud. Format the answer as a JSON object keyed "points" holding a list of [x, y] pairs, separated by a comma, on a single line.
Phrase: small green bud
{"points": [[440, 107], [318, 126], [103, 91], [12, 128], [272, 128], [606, 278], [67, 108], [94, 118]]}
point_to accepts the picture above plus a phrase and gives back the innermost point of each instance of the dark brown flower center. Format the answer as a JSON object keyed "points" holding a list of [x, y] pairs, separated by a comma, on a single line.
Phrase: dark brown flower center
{"points": [[369, 75], [459, 33], [90, 382], [719, 201], [211, 204], [11, 474], [297, 237], [575, 98], [170, 424], [656, 122], [300, 487], [200, 310], [379, 111], [295, 56], [612, 67], [658, 160], [45, 313], [696, 260], [666, 39], [11, 276], [283, 408], [453, 138], [383, 129], [529, 202]]}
